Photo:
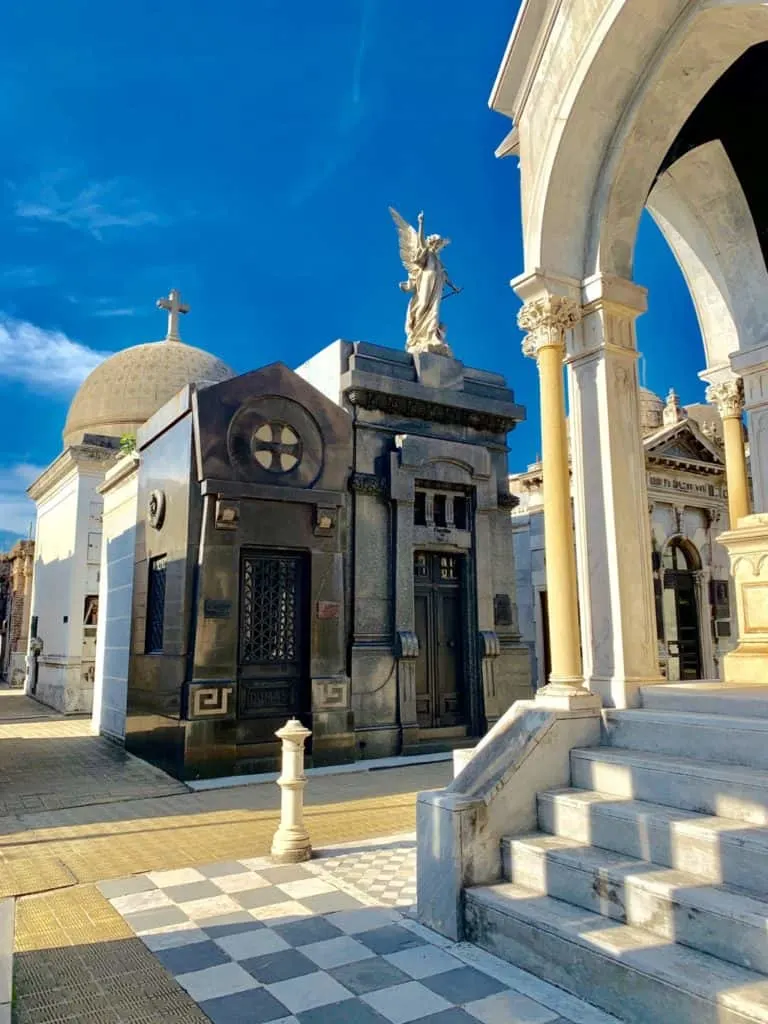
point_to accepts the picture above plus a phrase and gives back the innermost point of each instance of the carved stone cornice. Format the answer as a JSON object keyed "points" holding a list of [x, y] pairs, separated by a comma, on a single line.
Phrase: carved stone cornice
{"points": [[368, 483], [432, 412], [545, 322], [507, 501], [728, 397], [80, 457]]}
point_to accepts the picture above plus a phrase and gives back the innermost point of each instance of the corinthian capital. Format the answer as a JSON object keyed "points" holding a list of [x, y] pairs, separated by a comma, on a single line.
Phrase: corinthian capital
{"points": [[545, 322], [728, 397]]}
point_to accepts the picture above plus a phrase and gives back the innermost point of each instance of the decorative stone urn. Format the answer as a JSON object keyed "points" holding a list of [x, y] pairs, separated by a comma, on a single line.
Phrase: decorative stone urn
{"points": [[747, 546]]}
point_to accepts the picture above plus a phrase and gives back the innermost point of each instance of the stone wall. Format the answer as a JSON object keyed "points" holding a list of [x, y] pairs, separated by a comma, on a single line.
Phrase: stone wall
{"points": [[15, 583]]}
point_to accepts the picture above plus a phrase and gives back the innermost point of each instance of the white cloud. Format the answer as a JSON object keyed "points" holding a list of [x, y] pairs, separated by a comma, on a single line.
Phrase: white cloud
{"points": [[43, 360], [17, 512], [120, 311], [94, 208]]}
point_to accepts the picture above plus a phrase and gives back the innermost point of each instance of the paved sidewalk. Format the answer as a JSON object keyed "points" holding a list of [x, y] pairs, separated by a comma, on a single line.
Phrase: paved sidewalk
{"points": [[77, 961], [252, 943], [50, 761]]}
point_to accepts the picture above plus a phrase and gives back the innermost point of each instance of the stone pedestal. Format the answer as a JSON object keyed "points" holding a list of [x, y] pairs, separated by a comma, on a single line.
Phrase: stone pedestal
{"points": [[747, 546], [291, 844]]}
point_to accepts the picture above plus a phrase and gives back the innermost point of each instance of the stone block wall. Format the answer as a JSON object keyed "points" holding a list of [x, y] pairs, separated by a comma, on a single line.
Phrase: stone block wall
{"points": [[15, 583]]}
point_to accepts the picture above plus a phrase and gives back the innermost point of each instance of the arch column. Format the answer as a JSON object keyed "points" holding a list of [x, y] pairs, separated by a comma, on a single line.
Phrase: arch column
{"points": [[728, 398], [546, 317], [751, 364], [613, 534]]}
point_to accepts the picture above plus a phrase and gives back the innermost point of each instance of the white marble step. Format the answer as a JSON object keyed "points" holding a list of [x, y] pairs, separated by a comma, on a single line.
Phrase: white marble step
{"points": [[716, 850], [675, 905], [712, 738], [725, 790], [625, 970], [713, 698]]}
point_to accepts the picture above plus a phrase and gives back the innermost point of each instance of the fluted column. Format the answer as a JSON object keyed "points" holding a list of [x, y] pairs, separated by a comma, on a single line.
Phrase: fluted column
{"points": [[728, 397], [545, 321]]}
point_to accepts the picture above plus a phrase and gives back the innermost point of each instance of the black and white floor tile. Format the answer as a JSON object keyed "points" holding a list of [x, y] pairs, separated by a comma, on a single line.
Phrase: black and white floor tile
{"points": [[253, 943]]}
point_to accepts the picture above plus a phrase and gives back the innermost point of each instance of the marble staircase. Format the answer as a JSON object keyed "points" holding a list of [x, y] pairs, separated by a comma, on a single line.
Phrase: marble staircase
{"points": [[645, 889]]}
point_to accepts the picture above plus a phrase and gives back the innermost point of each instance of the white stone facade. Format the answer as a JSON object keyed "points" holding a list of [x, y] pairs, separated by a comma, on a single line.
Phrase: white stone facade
{"points": [[120, 496], [687, 500], [65, 589]]}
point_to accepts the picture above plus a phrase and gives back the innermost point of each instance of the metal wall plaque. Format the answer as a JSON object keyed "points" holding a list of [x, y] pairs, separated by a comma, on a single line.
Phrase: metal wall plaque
{"points": [[215, 609], [502, 610], [328, 609]]}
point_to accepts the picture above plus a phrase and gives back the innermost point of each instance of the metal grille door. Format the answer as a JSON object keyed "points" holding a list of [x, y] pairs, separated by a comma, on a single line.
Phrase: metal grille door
{"points": [[272, 632]]}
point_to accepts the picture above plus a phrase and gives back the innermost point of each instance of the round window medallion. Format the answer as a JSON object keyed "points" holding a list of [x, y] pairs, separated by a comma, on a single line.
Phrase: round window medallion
{"points": [[274, 440], [156, 509], [276, 447]]}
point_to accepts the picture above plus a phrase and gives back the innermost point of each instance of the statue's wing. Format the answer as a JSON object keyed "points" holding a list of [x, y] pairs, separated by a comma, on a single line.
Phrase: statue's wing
{"points": [[409, 242]]}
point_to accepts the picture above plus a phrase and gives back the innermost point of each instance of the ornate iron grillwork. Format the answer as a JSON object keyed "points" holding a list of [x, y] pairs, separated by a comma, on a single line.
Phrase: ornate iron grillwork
{"points": [[270, 610], [156, 605]]}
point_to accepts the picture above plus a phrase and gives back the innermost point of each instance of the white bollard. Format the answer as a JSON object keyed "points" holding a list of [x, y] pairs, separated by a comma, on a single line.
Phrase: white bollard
{"points": [[291, 844]]}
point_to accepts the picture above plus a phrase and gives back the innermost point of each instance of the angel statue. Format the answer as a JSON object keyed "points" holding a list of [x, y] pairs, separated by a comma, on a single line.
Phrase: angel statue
{"points": [[427, 279]]}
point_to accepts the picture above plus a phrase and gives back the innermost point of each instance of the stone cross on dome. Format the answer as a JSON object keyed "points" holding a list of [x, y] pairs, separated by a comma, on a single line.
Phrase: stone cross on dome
{"points": [[175, 306]]}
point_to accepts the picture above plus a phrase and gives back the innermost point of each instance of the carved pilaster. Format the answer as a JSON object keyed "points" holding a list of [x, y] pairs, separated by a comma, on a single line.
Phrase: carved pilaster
{"points": [[406, 652], [545, 322], [728, 397]]}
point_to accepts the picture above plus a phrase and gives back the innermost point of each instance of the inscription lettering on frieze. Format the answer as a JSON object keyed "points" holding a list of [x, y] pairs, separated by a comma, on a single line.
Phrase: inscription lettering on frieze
{"points": [[213, 609], [272, 697], [670, 483], [328, 609]]}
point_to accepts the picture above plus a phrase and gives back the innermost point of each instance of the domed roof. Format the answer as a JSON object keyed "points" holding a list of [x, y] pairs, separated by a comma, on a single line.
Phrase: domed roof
{"points": [[651, 411], [126, 389]]}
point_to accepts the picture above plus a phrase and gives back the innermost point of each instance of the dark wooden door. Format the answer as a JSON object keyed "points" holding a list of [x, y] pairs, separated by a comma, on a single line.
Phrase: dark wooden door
{"points": [[688, 646], [439, 628], [688, 626], [544, 605], [272, 673]]}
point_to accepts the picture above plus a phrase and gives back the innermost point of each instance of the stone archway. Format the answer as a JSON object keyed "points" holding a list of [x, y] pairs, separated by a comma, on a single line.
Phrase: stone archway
{"points": [[598, 99]]}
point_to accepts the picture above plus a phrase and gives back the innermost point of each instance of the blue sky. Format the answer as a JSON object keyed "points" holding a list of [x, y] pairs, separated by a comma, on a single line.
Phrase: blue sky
{"points": [[246, 153]]}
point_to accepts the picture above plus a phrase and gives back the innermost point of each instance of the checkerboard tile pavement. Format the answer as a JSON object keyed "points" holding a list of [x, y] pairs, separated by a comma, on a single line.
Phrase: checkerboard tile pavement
{"points": [[385, 871], [255, 943]]}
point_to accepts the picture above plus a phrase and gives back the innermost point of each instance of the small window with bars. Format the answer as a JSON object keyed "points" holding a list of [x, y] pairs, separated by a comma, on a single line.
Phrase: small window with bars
{"points": [[156, 605]]}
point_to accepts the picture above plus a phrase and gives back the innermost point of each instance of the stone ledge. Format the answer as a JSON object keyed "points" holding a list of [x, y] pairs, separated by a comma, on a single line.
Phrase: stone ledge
{"points": [[460, 828]]}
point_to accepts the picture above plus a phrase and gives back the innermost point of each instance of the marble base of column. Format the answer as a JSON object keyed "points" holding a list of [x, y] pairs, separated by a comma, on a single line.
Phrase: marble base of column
{"points": [[567, 695]]}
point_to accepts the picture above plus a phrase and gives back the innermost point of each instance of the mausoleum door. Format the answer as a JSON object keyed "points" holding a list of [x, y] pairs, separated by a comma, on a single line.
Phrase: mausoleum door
{"points": [[272, 670], [680, 611], [439, 628]]}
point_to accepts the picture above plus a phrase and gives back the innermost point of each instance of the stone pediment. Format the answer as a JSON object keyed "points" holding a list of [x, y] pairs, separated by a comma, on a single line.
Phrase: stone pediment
{"points": [[270, 427], [683, 443]]}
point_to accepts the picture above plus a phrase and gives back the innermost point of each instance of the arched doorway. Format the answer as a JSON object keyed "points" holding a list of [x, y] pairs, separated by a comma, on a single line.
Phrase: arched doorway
{"points": [[595, 135], [680, 565]]}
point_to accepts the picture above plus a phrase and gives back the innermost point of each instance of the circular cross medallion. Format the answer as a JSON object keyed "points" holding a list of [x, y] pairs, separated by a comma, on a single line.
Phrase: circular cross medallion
{"points": [[156, 509], [276, 447], [274, 440]]}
